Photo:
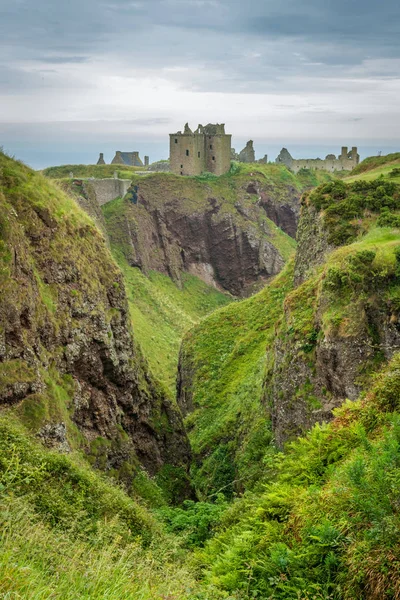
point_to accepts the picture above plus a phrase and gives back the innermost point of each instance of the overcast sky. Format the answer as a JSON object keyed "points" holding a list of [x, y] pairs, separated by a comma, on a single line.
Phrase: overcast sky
{"points": [[105, 73]]}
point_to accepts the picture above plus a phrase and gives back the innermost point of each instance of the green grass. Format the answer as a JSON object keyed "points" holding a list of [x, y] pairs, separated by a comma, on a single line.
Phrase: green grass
{"points": [[326, 525], [97, 171], [162, 313], [229, 429], [375, 163], [67, 533]]}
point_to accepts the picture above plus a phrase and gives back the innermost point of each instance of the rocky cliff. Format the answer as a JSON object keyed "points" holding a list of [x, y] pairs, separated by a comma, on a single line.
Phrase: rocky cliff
{"points": [[327, 329], [342, 320], [234, 232], [68, 362]]}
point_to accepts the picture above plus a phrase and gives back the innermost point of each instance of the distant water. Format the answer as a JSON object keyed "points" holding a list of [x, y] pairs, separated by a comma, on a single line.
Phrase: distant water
{"points": [[43, 154]]}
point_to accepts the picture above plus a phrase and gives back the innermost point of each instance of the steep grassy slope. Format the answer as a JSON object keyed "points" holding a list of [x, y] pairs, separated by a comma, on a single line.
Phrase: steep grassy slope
{"points": [[221, 373], [67, 533], [69, 366], [375, 166], [161, 313], [328, 522], [324, 338]]}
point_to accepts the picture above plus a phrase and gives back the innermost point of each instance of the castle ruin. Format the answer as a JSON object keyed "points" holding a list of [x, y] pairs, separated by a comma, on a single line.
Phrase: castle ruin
{"points": [[346, 161], [131, 159], [206, 149]]}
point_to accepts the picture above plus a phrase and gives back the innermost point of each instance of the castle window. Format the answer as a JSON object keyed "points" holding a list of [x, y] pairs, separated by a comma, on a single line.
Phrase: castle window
{"points": [[198, 154], [213, 157], [176, 140], [210, 146], [181, 166], [187, 152]]}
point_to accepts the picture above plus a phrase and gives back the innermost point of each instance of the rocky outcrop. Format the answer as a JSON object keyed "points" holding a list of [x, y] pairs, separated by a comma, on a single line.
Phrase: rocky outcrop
{"points": [[312, 242], [160, 166], [66, 344], [174, 225]]}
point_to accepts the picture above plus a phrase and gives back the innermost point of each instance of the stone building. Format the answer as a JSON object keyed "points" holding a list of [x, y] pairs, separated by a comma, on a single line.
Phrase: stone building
{"points": [[206, 149], [247, 155], [130, 159], [346, 161], [101, 160]]}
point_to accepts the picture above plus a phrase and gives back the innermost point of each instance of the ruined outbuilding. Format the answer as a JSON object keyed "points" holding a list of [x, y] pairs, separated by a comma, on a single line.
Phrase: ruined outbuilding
{"points": [[247, 155], [346, 161], [131, 159], [206, 149]]}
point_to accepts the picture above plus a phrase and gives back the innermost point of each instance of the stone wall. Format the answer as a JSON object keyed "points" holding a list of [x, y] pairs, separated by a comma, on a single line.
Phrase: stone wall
{"points": [[109, 189], [206, 149], [346, 161]]}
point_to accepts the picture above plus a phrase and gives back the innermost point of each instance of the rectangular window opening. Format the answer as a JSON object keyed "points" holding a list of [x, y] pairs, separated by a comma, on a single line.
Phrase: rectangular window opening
{"points": [[213, 158], [198, 154], [210, 146], [176, 140], [187, 152], [181, 166]]}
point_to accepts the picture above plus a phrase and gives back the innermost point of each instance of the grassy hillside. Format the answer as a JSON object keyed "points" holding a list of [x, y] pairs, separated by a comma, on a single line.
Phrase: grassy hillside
{"points": [[97, 171], [162, 313], [67, 533], [375, 166], [224, 358], [328, 523]]}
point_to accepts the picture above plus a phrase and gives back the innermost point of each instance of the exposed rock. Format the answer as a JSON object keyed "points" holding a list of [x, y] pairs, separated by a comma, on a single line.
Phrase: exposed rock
{"points": [[312, 243], [178, 225], [54, 435], [64, 312], [160, 166]]}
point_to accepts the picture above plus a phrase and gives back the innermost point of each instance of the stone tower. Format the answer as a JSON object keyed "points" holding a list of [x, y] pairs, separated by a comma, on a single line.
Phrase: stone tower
{"points": [[206, 149], [101, 160]]}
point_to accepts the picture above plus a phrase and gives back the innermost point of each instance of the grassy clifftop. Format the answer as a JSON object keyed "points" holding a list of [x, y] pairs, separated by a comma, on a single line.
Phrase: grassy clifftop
{"points": [[97, 171], [376, 166]]}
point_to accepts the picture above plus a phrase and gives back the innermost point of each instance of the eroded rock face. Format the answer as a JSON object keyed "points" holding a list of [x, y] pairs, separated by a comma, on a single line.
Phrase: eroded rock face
{"points": [[312, 243], [227, 243], [323, 351], [64, 321]]}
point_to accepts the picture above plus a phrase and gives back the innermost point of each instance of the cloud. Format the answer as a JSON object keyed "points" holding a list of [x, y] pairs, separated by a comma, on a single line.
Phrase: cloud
{"points": [[299, 68]]}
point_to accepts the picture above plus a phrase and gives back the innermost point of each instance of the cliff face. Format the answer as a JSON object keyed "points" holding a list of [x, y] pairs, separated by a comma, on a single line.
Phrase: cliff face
{"points": [[342, 320], [68, 362], [230, 232], [326, 329]]}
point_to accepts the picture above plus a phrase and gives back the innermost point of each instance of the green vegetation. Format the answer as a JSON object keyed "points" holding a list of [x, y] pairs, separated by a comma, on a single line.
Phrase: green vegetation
{"points": [[346, 205], [68, 533], [229, 429], [97, 171], [161, 314], [327, 523], [320, 520], [374, 164]]}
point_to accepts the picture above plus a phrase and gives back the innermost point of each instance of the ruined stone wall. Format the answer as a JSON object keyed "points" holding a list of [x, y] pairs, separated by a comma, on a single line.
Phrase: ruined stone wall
{"points": [[346, 161], [206, 149], [109, 189], [337, 164], [187, 154], [218, 154]]}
